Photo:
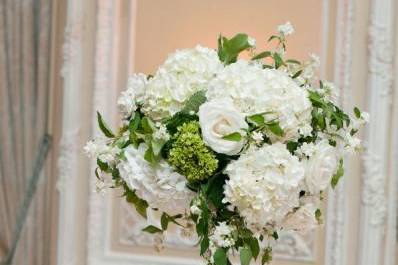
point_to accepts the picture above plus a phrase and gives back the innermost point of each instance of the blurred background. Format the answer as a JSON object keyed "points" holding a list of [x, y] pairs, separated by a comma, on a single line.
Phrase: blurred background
{"points": [[61, 60]]}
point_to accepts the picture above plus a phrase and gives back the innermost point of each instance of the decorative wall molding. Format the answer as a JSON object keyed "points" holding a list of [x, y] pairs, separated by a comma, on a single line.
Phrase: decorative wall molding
{"points": [[335, 247], [375, 239]]}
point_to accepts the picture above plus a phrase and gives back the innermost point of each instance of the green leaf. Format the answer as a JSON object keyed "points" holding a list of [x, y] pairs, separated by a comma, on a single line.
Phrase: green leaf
{"points": [[146, 125], [292, 146], [297, 74], [318, 215], [273, 37], [220, 257], [177, 120], [293, 61], [140, 204], [357, 113], [245, 256], [254, 247], [215, 191], [152, 229], [267, 256], [195, 101], [262, 55], [204, 245], [257, 119], [150, 155], [275, 235], [278, 60], [104, 127], [228, 50], [336, 177], [235, 137], [102, 165], [164, 221], [157, 146], [275, 128]]}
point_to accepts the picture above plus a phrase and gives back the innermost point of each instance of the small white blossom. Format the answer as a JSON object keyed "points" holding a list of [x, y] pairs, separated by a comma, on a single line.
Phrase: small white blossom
{"points": [[222, 235], [258, 137], [286, 29], [251, 41], [195, 210], [98, 148], [353, 144], [305, 130], [161, 132], [306, 149], [100, 187]]}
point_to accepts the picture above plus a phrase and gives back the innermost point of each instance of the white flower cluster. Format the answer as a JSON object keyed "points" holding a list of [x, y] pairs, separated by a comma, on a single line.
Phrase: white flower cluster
{"points": [[160, 186], [184, 73], [264, 184], [127, 102], [254, 90], [99, 148], [222, 236]]}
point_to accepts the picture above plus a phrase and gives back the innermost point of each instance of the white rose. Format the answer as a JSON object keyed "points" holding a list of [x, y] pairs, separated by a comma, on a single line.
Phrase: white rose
{"points": [[219, 118], [320, 167], [303, 220]]}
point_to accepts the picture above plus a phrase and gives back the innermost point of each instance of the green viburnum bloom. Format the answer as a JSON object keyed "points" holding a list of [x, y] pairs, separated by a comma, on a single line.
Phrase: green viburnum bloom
{"points": [[190, 156]]}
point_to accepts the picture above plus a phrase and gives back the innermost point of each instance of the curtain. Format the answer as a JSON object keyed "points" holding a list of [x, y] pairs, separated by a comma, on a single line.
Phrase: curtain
{"points": [[25, 61]]}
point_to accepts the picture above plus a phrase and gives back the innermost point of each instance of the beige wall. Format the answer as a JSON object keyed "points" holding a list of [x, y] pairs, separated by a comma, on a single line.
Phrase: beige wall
{"points": [[164, 26]]}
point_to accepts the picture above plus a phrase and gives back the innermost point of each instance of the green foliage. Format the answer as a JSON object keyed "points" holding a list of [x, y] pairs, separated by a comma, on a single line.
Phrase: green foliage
{"points": [[229, 49], [131, 197], [336, 177], [104, 127], [152, 229], [166, 219], [357, 113], [235, 137], [267, 256], [275, 128], [245, 256], [334, 114], [194, 102], [318, 215], [262, 55], [190, 156], [178, 120], [220, 257]]}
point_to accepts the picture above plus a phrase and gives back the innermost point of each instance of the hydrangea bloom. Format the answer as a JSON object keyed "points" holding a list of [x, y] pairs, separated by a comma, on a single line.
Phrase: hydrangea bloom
{"points": [[183, 73], [161, 186], [255, 90], [264, 184]]}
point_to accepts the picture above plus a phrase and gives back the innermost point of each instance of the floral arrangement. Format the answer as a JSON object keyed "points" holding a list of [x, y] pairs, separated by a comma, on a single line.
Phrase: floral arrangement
{"points": [[236, 149]]}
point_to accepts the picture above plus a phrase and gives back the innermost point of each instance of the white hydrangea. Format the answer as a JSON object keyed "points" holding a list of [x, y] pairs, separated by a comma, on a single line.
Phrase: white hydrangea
{"points": [[222, 235], [264, 185], [127, 102], [255, 90], [286, 29], [160, 185], [183, 73]]}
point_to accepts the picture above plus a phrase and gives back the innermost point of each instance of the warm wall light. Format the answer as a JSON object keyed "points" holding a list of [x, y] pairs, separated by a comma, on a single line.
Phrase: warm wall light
{"points": [[163, 26]]}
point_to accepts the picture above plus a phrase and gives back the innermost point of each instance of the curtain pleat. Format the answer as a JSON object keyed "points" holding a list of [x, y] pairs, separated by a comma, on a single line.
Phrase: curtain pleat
{"points": [[25, 61]]}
